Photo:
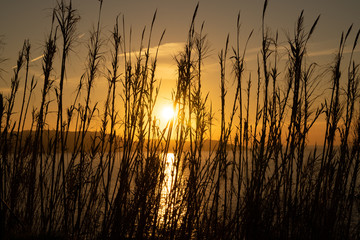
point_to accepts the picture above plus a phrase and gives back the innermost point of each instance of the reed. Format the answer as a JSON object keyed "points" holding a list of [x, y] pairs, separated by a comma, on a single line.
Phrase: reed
{"points": [[128, 178]]}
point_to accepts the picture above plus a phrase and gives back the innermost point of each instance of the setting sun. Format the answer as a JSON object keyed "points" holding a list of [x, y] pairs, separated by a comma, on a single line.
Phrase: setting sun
{"points": [[167, 113]]}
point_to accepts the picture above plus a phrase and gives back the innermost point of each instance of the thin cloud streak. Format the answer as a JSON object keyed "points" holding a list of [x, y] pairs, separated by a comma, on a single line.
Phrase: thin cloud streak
{"points": [[35, 59], [330, 51], [32, 60], [165, 50]]}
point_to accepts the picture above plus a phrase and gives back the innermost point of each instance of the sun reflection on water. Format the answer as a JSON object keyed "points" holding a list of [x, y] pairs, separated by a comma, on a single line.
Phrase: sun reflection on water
{"points": [[169, 178]]}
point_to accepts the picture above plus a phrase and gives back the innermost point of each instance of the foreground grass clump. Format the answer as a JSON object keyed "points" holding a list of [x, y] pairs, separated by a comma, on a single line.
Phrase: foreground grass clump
{"points": [[130, 178]]}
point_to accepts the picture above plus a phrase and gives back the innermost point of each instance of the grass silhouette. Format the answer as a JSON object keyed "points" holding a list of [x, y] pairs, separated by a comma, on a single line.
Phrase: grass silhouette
{"points": [[258, 180]]}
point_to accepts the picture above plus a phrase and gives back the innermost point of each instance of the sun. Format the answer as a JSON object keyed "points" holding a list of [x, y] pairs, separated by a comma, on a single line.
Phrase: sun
{"points": [[167, 113]]}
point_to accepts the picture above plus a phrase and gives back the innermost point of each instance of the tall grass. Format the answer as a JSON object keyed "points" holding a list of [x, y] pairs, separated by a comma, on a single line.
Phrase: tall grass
{"points": [[132, 179]]}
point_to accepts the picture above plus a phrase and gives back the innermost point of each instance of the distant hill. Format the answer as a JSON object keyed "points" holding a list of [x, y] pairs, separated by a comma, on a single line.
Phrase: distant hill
{"points": [[92, 139]]}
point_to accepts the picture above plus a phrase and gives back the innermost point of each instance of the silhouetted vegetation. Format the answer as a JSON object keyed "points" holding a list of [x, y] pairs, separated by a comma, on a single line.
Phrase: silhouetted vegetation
{"points": [[258, 180]]}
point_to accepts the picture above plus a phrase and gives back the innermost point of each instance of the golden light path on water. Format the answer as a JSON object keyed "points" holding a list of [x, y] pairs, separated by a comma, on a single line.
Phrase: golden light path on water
{"points": [[169, 177]]}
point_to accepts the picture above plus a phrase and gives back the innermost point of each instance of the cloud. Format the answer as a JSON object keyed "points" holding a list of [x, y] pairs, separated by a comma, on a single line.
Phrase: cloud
{"points": [[37, 58], [32, 60], [41, 56], [165, 50], [169, 49], [330, 51], [322, 52], [81, 35]]}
